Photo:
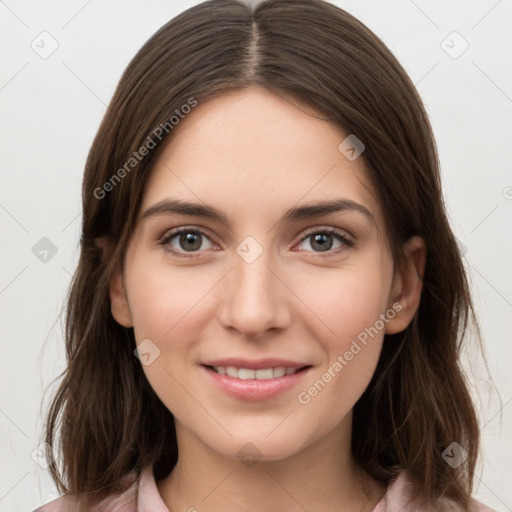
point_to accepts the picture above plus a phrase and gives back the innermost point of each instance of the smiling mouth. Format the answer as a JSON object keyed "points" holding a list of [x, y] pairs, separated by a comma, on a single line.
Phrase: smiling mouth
{"points": [[250, 374]]}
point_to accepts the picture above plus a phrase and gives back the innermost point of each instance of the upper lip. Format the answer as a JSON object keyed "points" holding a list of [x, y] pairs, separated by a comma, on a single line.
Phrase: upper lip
{"points": [[255, 364]]}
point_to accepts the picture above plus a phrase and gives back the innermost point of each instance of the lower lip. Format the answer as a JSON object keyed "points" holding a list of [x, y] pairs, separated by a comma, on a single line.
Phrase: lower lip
{"points": [[254, 389]]}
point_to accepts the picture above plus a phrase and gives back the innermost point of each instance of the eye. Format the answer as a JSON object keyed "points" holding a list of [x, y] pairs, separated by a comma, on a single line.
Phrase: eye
{"points": [[185, 240], [322, 241]]}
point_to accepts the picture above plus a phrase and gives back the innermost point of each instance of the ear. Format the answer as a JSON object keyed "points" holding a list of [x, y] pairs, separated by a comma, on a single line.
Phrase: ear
{"points": [[407, 285], [118, 298]]}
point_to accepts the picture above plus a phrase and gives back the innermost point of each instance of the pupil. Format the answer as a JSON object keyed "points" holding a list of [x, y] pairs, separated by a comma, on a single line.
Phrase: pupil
{"points": [[321, 239]]}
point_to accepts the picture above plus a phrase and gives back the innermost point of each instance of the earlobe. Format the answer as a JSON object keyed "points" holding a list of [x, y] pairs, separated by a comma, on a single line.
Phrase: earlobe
{"points": [[118, 299], [408, 284]]}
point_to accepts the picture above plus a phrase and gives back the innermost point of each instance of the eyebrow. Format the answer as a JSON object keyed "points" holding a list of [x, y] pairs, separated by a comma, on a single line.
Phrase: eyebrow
{"points": [[318, 209]]}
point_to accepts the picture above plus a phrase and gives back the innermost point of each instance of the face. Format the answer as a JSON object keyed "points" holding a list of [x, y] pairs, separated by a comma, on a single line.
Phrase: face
{"points": [[289, 304]]}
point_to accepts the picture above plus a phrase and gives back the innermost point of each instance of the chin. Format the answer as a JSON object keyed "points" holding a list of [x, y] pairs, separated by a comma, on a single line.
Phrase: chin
{"points": [[250, 448]]}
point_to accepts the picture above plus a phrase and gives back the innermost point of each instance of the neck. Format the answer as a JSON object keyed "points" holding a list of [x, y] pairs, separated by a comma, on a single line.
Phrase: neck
{"points": [[321, 477]]}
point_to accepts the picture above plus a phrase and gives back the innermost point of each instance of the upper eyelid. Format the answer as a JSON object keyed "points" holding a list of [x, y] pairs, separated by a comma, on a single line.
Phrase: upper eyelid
{"points": [[171, 233], [314, 229]]}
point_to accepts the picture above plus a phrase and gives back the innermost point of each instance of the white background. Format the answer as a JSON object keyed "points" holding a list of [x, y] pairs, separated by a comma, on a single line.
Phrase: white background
{"points": [[51, 108]]}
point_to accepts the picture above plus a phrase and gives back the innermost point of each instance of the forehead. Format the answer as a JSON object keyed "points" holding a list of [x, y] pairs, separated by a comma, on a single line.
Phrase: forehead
{"points": [[252, 152]]}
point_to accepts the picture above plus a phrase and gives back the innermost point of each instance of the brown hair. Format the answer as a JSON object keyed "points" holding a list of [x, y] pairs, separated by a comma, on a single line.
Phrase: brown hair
{"points": [[418, 403]]}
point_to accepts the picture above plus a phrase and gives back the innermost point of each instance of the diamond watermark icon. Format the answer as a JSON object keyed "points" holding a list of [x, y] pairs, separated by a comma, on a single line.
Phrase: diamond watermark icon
{"points": [[147, 352], [249, 454], [351, 147], [39, 455], [45, 45], [44, 250], [455, 455], [463, 248], [454, 45], [249, 249]]}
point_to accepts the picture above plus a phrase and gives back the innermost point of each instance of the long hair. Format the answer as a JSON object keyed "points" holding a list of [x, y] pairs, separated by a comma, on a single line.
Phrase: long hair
{"points": [[105, 420]]}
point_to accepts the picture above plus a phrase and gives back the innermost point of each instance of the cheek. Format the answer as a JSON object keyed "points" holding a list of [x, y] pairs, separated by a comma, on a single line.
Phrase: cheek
{"points": [[164, 300], [170, 306], [351, 357], [352, 306], [331, 394], [164, 303], [346, 301]]}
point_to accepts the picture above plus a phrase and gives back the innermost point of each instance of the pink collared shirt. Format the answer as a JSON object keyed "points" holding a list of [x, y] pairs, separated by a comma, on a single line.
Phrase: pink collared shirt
{"points": [[146, 498]]}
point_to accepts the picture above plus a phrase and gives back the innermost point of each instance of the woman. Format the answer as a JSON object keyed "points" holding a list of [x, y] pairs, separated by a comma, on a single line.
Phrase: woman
{"points": [[269, 304]]}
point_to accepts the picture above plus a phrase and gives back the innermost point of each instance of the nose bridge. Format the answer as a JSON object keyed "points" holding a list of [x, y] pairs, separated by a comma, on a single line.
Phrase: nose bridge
{"points": [[253, 299]]}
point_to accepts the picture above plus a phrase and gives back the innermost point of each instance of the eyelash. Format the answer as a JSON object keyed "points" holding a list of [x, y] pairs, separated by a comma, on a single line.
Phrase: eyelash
{"points": [[164, 241]]}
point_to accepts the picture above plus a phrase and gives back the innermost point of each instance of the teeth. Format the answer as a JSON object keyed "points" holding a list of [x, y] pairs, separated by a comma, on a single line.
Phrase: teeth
{"points": [[244, 374], [267, 373], [232, 371], [279, 372], [247, 373]]}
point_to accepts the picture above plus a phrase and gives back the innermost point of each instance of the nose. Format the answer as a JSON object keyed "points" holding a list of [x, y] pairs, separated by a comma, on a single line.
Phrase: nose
{"points": [[254, 298]]}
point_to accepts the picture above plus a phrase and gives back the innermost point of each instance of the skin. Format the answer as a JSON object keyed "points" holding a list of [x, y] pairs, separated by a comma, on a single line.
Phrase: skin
{"points": [[252, 155]]}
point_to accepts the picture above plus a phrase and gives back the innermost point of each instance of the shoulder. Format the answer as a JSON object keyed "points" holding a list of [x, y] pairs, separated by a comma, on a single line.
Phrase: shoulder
{"points": [[64, 503], [398, 497], [125, 501]]}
